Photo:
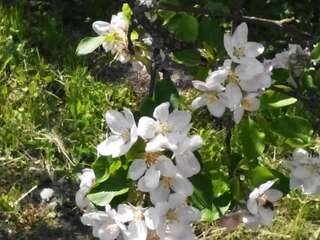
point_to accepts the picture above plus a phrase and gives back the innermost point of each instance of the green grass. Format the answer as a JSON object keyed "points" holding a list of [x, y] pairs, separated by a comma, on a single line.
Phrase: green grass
{"points": [[51, 119]]}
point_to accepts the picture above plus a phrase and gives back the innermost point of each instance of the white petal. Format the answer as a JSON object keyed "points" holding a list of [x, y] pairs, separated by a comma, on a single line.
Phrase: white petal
{"points": [[254, 104], [266, 216], [137, 169], [183, 186], [110, 145], [232, 96], [108, 232], [129, 116], [137, 230], [142, 185], [152, 218], [240, 35], [146, 128], [161, 112], [301, 172], [188, 215], [216, 108], [195, 142], [309, 186], [166, 166], [300, 155], [238, 114], [176, 200], [252, 206], [101, 27], [156, 144], [198, 102], [188, 164], [152, 178], [264, 187], [200, 85], [116, 121], [253, 49], [125, 213], [179, 120], [273, 195], [160, 194], [228, 45]]}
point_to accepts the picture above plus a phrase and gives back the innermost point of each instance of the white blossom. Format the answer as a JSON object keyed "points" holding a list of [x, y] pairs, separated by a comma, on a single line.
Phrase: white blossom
{"points": [[186, 162], [260, 205], [148, 3], [105, 225], [238, 47], [149, 170], [87, 179], [46, 194], [115, 34], [211, 96], [163, 131], [124, 130], [305, 172], [172, 219]]}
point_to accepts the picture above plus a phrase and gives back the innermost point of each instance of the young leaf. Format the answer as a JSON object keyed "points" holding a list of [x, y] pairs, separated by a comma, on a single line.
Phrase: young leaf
{"points": [[315, 54], [252, 139], [127, 11], [185, 27], [89, 44], [189, 57], [283, 103]]}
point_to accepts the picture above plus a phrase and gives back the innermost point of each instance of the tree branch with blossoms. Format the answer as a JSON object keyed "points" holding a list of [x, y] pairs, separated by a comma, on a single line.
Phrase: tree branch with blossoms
{"points": [[149, 181]]}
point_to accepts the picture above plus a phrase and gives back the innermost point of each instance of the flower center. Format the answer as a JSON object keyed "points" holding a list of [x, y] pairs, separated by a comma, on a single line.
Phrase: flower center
{"points": [[171, 215], [245, 103], [212, 97], [112, 228], [151, 158], [163, 128], [125, 135], [153, 236], [263, 201], [167, 182], [138, 215], [233, 78], [238, 52]]}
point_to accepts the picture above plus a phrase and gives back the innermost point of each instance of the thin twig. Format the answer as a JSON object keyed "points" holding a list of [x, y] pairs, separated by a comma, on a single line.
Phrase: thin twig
{"points": [[25, 194]]}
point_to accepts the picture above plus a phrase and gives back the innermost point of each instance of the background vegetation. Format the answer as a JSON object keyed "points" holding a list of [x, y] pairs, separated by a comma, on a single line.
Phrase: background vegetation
{"points": [[51, 114]]}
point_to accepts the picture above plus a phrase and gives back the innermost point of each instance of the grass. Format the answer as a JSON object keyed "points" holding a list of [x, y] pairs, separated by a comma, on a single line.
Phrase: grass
{"points": [[51, 119]]}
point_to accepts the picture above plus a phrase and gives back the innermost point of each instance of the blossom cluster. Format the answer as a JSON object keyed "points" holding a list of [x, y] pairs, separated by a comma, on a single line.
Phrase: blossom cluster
{"points": [[238, 83], [305, 172], [261, 205], [163, 177], [115, 36]]}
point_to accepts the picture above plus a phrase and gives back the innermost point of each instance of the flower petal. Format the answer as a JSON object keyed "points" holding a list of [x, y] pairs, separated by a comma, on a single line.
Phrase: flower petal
{"points": [[216, 108], [182, 185], [160, 194], [253, 49], [161, 112], [202, 86], [101, 27], [146, 128], [137, 169], [198, 102], [273, 195], [152, 178]]}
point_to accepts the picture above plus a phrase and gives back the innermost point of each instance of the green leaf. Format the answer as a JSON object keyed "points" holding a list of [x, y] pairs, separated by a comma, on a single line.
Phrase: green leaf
{"points": [[260, 175], [220, 187], [315, 53], [185, 27], [105, 197], [116, 185], [127, 11], [165, 91], [147, 107], [296, 129], [190, 57], [283, 102], [210, 32], [280, 75], [252, 139], [89, 44]]}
